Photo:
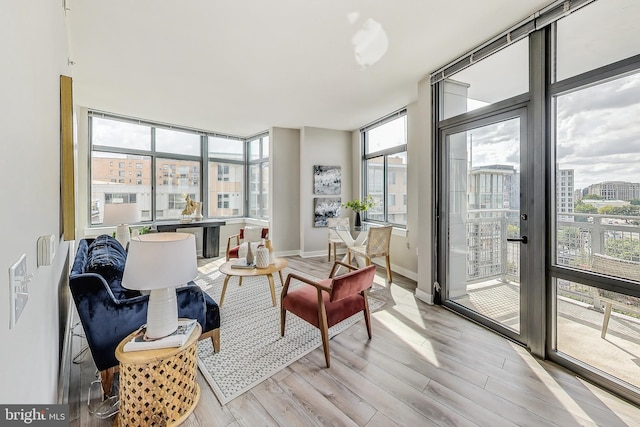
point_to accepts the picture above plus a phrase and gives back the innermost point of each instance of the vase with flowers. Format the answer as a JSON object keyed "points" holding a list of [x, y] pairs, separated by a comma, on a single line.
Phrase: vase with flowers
{"points": [[360, 205]]}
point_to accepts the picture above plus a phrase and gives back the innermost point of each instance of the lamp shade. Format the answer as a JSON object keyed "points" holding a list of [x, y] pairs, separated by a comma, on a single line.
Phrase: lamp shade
{"points": [[121, 213], [160, 260]]}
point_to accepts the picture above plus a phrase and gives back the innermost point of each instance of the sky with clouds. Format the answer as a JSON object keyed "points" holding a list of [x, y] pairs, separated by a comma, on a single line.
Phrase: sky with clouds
{"points": [[597, 134]]}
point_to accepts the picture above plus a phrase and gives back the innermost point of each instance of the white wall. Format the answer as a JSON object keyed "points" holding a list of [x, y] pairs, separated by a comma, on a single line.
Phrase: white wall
{"points": [[284, 187], [34, 54], [324, 147]]}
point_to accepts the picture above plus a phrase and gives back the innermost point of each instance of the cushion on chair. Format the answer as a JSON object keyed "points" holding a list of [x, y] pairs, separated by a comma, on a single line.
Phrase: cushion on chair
{"points": [[252, 234], [233, 252], [304, 303]]}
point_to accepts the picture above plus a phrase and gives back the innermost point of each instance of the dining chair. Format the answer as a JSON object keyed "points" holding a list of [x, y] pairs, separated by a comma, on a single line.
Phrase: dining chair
{"points": [[324, 303], [376, 246], [334, 239]]}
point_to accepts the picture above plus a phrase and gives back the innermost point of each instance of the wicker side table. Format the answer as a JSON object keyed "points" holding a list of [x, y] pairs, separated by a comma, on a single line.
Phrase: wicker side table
{"points": [[158, 387]]}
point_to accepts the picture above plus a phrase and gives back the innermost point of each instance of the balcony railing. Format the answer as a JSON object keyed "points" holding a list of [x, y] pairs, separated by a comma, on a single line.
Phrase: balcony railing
{"points": [[578, 237]]}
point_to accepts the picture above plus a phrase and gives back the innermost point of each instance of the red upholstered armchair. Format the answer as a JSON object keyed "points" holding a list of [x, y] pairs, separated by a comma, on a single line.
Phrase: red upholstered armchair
{"points": [[329, 301], [232, 251]]}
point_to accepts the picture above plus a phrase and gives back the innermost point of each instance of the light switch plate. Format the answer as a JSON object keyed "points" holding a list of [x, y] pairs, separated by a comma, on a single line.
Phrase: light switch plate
{"points": [[46, 249], [19, 291]]}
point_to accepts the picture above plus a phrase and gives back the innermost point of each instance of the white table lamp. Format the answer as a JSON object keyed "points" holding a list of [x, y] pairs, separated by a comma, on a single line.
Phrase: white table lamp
{"points": [[160, 262], [121, 214]]}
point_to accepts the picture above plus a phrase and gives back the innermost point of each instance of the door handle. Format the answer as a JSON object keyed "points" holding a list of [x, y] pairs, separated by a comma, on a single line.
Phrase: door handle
{"points": [[522, 239]]}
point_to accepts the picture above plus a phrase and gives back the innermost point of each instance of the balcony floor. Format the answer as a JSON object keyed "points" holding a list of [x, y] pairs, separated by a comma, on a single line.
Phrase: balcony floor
{"points": [[578, 328]]}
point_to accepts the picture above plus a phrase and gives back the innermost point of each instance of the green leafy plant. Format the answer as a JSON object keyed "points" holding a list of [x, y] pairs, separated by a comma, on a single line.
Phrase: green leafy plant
{"points": [[142, 230], [360, 205]]}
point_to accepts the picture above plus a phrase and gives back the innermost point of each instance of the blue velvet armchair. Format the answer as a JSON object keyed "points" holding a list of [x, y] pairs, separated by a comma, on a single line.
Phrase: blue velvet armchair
{"points": [[108, 312]]}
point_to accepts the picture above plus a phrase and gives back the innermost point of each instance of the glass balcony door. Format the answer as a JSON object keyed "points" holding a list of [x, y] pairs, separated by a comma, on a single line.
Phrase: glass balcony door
{"points": [[484, 239]]}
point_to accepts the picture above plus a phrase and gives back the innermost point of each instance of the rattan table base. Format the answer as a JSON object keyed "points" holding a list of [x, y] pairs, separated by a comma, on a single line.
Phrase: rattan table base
{"points": [[158, 387]]}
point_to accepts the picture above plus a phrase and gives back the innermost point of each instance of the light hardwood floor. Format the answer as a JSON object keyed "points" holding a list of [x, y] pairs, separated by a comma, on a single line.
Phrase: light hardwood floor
{"points": [[424, 366]]}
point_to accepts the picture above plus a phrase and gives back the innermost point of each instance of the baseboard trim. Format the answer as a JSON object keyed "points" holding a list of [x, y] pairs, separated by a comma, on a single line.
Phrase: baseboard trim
{"points": [[424, 296]]}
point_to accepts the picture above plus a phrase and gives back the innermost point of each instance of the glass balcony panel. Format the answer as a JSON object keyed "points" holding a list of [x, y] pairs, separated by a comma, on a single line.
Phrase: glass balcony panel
{"points": [[600, 328]]}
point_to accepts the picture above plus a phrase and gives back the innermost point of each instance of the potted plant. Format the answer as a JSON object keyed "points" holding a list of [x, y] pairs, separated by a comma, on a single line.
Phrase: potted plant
{"points": [[360, 205]]}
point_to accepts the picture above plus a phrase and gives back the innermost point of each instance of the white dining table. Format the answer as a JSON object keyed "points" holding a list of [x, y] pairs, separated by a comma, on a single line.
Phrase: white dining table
{"points": [[353, 236]]}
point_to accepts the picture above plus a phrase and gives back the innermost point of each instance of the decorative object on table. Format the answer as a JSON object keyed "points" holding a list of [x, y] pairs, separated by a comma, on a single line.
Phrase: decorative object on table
{"points": [[325, 208], [327, 180], [253, 354], [121, 215], [160, 262], [249, 256], [326, 303], [272, 253], [378, 241], [333, 238], [243, 264], [176, 339], [189, 208], [262, 257], [198, 212], [360, 205]]}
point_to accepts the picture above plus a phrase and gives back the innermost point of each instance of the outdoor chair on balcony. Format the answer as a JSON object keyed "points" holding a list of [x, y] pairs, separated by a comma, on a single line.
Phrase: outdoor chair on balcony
{"points": [[618, 268]]}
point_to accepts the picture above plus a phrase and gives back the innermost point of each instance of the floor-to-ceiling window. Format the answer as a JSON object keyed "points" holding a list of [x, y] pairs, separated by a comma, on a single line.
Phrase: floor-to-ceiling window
{"points": [[155, 167], [178, 171], [226, 176], [258, 188], [120, 167], [560, 272], [385, 166], [595, 262]]}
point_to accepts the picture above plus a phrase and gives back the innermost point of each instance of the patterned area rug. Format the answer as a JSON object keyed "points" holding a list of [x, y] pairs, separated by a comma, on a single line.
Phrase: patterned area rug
{"points": [[251, 348]]}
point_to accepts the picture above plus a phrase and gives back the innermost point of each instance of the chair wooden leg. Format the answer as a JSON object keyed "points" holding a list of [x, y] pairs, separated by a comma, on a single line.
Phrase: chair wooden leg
{"points": [[324, 328], [367, 314], [335, 251], [215, 340], [388, 268], [329, 252], [106, 378], [605, 322], [324, 331], [283, 318], [214, 335]]}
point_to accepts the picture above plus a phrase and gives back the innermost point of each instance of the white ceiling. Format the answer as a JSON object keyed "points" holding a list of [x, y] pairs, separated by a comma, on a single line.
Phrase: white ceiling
{"points": [[240, 67]]}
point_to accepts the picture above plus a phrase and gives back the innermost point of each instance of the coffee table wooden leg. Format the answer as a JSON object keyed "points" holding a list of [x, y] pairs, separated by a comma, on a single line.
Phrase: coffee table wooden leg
{"points": [[273, 289], [224, 289]]}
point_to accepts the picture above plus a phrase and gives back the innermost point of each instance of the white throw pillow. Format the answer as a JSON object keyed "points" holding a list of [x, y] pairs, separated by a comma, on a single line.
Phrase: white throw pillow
{"points": [[252, 234]]}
